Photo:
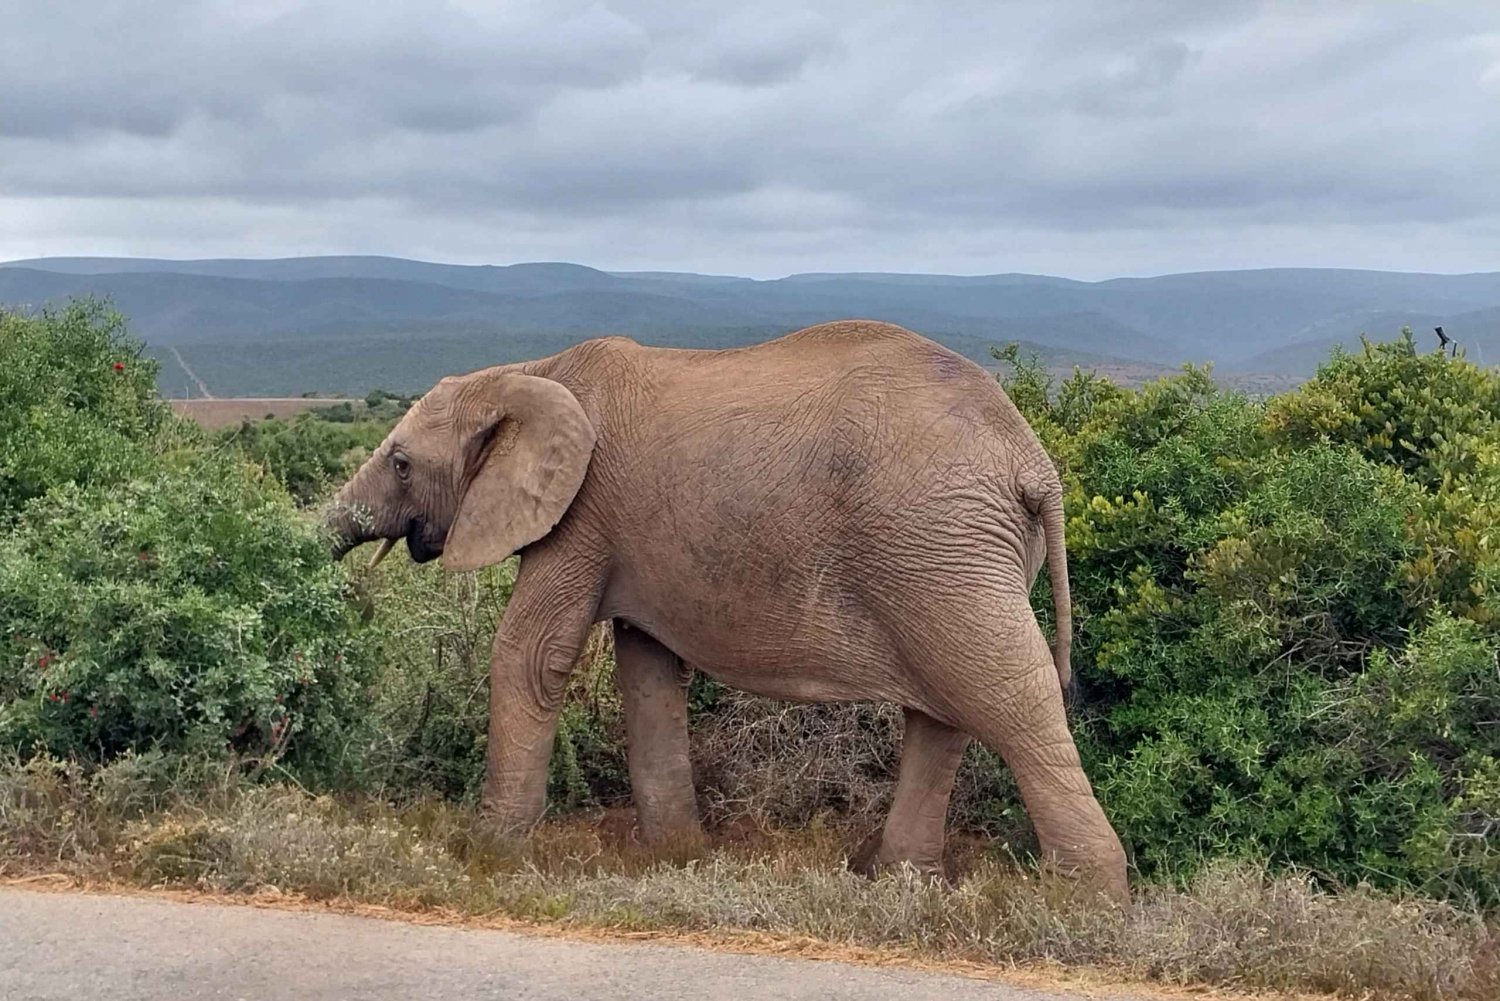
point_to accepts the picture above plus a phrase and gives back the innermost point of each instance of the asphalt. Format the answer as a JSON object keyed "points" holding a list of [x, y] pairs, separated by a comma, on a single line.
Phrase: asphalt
{"points": [[84, 946]]}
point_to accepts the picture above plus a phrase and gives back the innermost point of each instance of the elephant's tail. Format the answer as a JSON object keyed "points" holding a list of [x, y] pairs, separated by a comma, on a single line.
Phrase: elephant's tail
{"points": [[1062, 599]]}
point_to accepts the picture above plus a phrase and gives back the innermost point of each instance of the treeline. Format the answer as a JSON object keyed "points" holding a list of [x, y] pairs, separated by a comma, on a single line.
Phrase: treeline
{"points": [[1286, 616]]}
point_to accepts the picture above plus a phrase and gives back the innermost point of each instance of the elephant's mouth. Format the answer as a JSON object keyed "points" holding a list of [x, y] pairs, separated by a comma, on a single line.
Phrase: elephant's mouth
{"points": [[420, 549]]}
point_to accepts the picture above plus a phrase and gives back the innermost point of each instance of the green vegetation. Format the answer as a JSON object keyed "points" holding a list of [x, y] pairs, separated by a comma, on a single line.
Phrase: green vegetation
{"points": [[155, 592], [77, 403], [1286, 635], [1286, 649], [315, 451], [309, 454]]}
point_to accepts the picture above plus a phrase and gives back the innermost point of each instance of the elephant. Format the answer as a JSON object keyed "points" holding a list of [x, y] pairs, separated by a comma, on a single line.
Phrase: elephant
{"points": [[848, 512]]}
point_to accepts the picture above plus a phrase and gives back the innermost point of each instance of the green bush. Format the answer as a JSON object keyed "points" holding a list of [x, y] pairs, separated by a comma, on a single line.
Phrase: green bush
{"points": [[185, 610], [1437, 419], [78, 402], [432, 633], [1262, 588], [155, 592], [309, 454], [1413, 734]]}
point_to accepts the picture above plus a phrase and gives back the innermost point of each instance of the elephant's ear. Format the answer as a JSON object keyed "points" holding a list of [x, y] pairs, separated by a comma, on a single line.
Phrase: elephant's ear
{"points": [[524, 464]]}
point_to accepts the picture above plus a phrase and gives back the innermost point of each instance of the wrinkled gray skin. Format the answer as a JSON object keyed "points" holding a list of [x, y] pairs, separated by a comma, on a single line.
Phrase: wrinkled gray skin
{"points": [[849, 512]]}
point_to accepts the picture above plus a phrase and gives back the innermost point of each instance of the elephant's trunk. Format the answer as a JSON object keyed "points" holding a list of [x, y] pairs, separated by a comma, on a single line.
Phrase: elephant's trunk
{"points": [[1057, 572], [347, 522], [340, 529]]}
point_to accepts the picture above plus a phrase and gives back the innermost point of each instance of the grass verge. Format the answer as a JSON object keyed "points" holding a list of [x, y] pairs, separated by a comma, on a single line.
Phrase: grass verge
{"points": [[149, 823]]}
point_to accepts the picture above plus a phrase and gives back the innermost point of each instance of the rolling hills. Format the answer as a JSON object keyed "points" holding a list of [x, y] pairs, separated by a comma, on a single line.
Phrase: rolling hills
{"points": [[343, 324]]}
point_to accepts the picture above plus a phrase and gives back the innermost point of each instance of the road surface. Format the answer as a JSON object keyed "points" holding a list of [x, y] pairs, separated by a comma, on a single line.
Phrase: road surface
{"points": [[86, 946]]}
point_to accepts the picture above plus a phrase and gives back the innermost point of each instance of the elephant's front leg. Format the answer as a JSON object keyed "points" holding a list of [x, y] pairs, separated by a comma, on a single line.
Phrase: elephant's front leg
{"points": [[653, 690], [536, 647]]}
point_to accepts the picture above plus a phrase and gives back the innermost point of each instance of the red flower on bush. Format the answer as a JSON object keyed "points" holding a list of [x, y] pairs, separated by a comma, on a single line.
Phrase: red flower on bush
{"points": [[44, 660], [119, 366]]}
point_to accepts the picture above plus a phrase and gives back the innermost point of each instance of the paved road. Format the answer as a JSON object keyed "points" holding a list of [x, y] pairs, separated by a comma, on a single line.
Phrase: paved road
{"points": [[85, 946]]}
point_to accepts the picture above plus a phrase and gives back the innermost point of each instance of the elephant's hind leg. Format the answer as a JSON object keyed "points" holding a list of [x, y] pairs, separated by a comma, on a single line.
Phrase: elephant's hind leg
{"points": [[914, 829], [1023, 721], [654, 695]]}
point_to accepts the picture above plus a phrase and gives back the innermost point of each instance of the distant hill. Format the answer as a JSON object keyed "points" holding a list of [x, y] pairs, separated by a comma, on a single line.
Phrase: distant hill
{"points": [[1477, 334], [291, 325]]}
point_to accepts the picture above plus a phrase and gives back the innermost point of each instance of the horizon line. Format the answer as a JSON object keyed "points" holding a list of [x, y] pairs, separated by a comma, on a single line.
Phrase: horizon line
{"points": [[627, 272]]}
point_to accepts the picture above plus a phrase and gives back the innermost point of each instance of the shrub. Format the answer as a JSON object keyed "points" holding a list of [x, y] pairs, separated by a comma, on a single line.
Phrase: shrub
{"points": [[310, 455], [78, 401], [1415, 733], [1253, 582], [1437, 419], [186, 610], [154, 593], [433, 632]]}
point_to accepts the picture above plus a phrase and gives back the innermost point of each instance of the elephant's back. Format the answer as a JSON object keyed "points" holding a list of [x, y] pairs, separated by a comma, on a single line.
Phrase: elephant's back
{"points": [[830, 399], [840, 417], [843, 361]]}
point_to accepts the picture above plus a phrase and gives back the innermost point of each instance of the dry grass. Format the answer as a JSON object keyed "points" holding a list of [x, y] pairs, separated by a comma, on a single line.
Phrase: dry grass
{"points": [[1237, 926], [768, 765]]}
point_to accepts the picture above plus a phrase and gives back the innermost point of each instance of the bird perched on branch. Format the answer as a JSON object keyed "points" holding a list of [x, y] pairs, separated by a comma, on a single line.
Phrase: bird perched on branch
{"points": [[1444, 340]]}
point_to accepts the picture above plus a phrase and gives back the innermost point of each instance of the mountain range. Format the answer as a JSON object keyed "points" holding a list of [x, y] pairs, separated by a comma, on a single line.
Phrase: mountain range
{"points": [[345, 324]]}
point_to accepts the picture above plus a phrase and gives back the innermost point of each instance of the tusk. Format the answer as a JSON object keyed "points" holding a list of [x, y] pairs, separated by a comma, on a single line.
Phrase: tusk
{"points": [[380, 553]]}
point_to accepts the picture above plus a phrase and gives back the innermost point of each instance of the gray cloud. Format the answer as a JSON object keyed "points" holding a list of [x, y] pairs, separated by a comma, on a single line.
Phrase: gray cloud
{"points": [[1074, 137]]}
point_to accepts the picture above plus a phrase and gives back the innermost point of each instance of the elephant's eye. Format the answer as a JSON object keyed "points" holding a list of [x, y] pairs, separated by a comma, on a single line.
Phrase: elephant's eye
{"points": [[401, 464]]}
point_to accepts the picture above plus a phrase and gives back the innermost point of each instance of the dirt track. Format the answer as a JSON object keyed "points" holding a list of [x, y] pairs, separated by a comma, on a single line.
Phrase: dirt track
{"points": [[217, 413]]}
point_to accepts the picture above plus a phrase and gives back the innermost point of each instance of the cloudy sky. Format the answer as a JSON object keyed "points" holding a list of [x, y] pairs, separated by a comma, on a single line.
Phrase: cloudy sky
{"points": [[1087, 139]]}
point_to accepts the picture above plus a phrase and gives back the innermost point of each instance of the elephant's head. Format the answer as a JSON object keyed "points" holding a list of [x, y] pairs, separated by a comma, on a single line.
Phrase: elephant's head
{"points": [[481, 466]]}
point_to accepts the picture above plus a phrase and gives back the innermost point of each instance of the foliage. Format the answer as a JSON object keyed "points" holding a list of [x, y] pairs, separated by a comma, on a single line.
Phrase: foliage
{"points": [[309, 454], [1438, 420], [1263, 590], [384, 405], [314, 452], [432, 633], [78, 401], [156, 592]]}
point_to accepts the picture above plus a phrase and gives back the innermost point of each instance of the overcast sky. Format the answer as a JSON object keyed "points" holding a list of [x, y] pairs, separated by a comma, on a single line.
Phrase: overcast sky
{"points": [[1087, 139]]}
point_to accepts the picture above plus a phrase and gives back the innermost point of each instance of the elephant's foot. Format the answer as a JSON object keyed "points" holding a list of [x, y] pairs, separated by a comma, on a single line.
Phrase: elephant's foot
{"points": [[509, 813], [1101, 872], [679, 842], [667, 814], [500, 829], [667, 822], [877, 856]]}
